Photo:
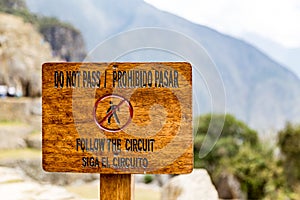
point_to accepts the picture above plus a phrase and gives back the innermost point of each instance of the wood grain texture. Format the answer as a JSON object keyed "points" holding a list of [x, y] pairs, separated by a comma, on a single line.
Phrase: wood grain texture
{"points": [[160, 95], [116, 186]]}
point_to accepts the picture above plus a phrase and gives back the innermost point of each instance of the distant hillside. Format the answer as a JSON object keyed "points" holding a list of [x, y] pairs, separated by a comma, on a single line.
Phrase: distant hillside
{"points": [[28, 40], [22, 52], [289, 57], [65, 40], [258, 90]]}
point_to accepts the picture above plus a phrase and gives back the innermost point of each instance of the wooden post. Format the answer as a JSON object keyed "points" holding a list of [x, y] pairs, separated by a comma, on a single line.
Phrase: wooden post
{"points": [[116, 186]]}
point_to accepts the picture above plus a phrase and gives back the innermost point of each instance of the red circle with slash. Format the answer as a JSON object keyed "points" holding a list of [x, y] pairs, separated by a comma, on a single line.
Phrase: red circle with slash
{"points": [[123, 100]]}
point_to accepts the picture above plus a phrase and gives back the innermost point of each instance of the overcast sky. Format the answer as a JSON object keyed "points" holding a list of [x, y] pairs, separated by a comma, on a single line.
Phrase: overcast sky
{"points": [[277, 20]]}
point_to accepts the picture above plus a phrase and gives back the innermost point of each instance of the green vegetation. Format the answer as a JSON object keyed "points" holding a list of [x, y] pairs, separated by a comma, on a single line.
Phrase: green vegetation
{"points": [[19, 8], [12, 181], [148, 178], [45, 23], [239, 152], [11, 123], [13, 5], [234, 135], [259, 173], [289, 144], [14, 154]]}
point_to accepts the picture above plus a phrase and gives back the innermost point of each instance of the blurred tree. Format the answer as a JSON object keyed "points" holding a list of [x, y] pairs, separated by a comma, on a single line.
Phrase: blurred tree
{"points": [[239, 152], [289, 144], [259, 173], [234, 135]]}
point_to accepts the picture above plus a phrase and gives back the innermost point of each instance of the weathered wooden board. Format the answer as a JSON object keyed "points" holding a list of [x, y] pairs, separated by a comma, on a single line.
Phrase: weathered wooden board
{"points": [[117, 118]]}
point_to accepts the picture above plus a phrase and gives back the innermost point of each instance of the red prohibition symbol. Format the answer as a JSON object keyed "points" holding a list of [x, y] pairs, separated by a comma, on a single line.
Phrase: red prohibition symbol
{"points": [[112, 111]]}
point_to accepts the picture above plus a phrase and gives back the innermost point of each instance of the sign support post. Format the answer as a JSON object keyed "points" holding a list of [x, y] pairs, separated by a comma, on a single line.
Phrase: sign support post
{"points": [[116, 186]]}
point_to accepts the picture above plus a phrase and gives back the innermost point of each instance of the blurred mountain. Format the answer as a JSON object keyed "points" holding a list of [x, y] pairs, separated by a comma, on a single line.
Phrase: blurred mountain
{"points": [[13, 4], [26, 41], [289, 57], [22, 52], [65, 40], [258, 90]]}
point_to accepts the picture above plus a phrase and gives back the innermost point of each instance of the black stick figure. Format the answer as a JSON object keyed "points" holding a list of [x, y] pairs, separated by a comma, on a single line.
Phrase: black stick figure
{"points": [[112, 107]]}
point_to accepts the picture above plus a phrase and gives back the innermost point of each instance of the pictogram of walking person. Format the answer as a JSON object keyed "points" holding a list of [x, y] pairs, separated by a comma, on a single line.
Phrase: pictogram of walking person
{"points": [[113, 108]]}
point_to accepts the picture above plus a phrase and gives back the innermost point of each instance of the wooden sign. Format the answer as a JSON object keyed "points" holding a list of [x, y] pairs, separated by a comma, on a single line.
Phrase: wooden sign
{"points": [[117, 118]]}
